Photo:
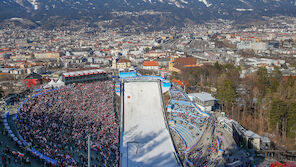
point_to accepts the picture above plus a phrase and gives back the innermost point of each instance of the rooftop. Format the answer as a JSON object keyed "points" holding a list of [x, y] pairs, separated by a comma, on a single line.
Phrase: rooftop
{"points": [[150, 63], [123, 61], [33, 76], [185, 61], [203, 96], [251, 134], [86, 72]]}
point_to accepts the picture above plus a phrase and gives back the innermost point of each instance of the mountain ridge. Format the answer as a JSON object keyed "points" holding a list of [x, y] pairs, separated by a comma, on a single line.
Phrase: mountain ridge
{"points": [[175, 12]]}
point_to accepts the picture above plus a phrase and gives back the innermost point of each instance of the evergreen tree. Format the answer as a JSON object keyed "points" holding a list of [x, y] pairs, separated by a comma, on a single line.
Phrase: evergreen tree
{"points": [[277, 112], [1, 93], [290, 81], [226, 93], [262, 76], [291, 124]]}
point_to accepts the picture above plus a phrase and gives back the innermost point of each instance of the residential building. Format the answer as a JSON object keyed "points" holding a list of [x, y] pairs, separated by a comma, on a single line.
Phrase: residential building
{"points": [[121, 63], [163, 62], [47, 55], [150, 65]]}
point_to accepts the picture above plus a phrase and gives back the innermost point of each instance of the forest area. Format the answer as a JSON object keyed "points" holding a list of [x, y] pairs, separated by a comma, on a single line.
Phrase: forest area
{"points": [[262, 101]]}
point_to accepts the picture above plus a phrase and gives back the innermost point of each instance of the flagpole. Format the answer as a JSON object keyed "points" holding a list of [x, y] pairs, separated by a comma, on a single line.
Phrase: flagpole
{"points": [[88, 142]]}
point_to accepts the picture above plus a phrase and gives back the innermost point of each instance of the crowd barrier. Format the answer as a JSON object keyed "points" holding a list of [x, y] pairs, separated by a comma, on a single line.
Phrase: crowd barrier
{"points": [[139, 78], [38, 90], [219, 146], [132, 76], [182, 102], [164, 83], [194, 126], [179, 135], [212, 137], [7, 128], [184, 112], [199, 110], [186, 133], [187, 160], [127, 74], [117, 87], [27, 145], [218, 143]]}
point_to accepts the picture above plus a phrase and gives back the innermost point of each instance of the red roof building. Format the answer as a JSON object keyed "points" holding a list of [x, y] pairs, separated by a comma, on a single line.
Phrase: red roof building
{"points": [[150, 65], [180, 82], [33, 79], [123, 61]]}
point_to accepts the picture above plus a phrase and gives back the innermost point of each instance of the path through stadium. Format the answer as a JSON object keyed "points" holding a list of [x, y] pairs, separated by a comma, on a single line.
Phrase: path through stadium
{"points": [[146, 140]]}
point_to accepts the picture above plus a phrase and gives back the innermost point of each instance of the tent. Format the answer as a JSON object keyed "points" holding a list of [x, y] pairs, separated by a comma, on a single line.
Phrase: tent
{"points": [[50, 84], [59, 83]]}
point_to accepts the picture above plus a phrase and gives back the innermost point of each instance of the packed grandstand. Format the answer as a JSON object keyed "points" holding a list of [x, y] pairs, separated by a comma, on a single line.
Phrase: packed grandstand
{"points": [[57, 123], [53, 125]]}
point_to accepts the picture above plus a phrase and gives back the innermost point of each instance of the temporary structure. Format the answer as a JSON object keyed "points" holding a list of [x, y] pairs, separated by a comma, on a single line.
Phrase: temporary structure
{"points": [[59, 83], [50, 84]]}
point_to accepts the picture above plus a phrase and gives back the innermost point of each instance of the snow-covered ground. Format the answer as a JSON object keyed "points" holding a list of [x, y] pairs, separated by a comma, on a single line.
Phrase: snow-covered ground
{"points": [[146, 140]]}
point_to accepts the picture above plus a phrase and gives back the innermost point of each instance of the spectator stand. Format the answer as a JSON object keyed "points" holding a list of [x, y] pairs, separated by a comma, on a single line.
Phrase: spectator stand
{"points": [[180, 136], [27, 145], [7, 128], [185, 112], [93, 105], [188, 123]]}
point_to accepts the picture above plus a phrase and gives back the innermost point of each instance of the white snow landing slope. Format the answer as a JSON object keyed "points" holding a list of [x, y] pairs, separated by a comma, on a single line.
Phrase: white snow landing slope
{"points": [[146, 140]]}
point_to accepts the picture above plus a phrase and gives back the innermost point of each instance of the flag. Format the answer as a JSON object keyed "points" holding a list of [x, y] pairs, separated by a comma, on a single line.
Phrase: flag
{"points": [[20, 154]]}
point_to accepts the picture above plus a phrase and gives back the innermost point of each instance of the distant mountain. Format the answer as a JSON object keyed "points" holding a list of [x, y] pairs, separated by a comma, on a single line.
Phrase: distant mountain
{"points": [[141, 12]]}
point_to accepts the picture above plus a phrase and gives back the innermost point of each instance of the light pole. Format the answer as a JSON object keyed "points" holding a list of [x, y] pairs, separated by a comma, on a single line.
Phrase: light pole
{"points": [[88, 142], [129, 142]]}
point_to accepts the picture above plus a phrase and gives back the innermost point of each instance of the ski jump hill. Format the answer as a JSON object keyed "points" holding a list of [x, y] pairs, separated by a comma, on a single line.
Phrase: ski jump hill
{"points": [[145, 138]]}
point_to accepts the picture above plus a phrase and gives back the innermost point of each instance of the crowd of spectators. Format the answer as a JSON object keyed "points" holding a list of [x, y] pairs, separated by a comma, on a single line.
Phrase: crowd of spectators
{"points": [[177, 94], [195, 154], [58, 122], [13, 158]]}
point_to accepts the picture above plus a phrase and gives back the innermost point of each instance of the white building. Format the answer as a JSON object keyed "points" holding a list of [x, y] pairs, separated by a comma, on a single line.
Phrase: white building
{"points": [[203, 100], [150, 65]]}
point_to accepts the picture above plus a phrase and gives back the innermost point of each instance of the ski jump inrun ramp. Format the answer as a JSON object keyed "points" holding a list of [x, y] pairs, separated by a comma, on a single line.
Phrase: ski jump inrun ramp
{"points": [[145, 139]]}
